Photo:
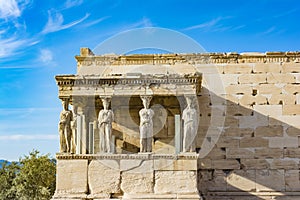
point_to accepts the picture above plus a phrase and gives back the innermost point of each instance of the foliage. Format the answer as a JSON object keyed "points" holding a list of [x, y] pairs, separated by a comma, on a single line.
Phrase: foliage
{"points": [[8, 173], [33, 178]]}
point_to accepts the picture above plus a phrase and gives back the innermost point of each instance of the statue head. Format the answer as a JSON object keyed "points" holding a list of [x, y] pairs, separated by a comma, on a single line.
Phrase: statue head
{"points": [[105, 102], [189, 101], [146, 101], [65, 104]]}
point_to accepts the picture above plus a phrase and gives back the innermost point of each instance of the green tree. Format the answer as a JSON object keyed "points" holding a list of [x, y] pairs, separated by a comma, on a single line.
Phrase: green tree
{"points": [[8, 173], [36, 178]]}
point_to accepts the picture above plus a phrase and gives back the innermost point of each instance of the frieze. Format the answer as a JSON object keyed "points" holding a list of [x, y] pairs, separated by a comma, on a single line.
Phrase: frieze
{"points": [[199, 58], [140, 156]]}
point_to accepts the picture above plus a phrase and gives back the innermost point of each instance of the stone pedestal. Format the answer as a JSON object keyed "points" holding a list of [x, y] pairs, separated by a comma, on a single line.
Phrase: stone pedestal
{"points": [[127, 176]]}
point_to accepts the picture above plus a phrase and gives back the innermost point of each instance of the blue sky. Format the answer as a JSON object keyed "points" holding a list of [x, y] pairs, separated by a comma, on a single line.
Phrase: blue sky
{"points": [[39, 39]]}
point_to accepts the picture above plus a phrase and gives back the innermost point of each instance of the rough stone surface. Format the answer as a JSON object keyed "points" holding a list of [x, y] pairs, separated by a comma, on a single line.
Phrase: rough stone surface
{"points": [[109, 181], [180, 182], [71, 176]]}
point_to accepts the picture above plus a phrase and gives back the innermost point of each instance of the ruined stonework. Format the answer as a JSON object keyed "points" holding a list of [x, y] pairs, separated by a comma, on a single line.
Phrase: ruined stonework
{"points": [[247, 141]]}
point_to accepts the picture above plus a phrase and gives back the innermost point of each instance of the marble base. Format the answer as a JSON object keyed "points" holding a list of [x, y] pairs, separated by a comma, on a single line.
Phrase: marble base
{"points": [[127, 176]]}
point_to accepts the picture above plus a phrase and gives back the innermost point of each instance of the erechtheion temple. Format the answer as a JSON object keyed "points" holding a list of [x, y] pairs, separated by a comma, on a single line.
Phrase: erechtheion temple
{"points": [[210, 126]]}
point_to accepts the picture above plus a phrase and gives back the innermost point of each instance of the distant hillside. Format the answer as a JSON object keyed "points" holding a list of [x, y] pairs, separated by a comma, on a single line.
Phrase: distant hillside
{"points": [[2, 161]]}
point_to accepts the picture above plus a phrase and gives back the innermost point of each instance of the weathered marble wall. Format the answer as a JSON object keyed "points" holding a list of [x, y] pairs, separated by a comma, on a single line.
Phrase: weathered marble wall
{"points": [[250, 119]]}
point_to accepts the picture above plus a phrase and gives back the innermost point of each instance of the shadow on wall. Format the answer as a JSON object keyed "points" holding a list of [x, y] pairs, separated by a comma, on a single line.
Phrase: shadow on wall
{"points": [[246, 151]]}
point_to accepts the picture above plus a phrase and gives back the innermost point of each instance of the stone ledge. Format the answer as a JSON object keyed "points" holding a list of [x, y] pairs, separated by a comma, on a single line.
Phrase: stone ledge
{"points": [[142, 156]]}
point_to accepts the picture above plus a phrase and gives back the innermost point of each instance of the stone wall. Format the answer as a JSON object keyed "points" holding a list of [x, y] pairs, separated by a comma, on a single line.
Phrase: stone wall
{"points": [[249, 129]]}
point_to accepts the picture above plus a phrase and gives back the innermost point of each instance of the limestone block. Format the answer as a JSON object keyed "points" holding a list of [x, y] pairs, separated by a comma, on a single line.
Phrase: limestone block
{"points": [[290, 67], [248, 99], [293, 131], [229, 79], [282, 142], [253, 121], [71, 176], [267, 67], [239, 153], [225, 164], [212, 181], [291, 89], [216, 153], [269, 89], [252, 78], [270, 180], [213, 83], [292, 182], [175, 165], [136, 166], [285, 99], [210, 68], [284, 164], [292, 153], [238, 68], [204, 164], [254, 164], [291, 120], [268, 131], [109, 180], [241, 180], [137, 182], [175, 182], [238, 132], [239, 89], [268, 153], [237, 110], [268, 110], [249, 142], [224, 142], [280, 78], [291, 109]]}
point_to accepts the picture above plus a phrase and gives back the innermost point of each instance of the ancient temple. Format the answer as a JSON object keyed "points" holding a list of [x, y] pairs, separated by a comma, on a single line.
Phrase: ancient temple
{"points": [[124, 138], [180, 126]]}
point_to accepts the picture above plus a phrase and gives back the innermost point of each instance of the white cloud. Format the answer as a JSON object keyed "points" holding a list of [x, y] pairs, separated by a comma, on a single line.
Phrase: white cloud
{"points": [[29, 137], [9, 46], [56, 20], [9, 8], [94, 22], [46, 56], [72, 3]]}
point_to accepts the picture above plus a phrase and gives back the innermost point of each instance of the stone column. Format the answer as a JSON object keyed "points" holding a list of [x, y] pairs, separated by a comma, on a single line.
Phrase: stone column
{"points": [[105, 119], [178, 134], [146, 124], [91, 138], [190, 125]]}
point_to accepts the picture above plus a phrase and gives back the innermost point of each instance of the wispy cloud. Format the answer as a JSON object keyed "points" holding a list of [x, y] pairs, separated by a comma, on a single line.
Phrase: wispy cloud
{"points": [[56, 20], [9, 8], [205, 25], [11, 46], [72, 3], [46, 56], [12, 8], [268, 31], [94, 22], [29, 137]]}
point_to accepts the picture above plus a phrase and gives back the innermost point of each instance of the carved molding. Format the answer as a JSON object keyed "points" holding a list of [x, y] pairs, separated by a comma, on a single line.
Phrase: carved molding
{"points": [[197, 58], [146, 156]]}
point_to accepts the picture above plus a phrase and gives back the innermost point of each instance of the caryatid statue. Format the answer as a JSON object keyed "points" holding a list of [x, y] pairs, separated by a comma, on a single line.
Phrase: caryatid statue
{"points": [[146, 125], [65, 132], [105, 119], [74, 130], [190, 125]]}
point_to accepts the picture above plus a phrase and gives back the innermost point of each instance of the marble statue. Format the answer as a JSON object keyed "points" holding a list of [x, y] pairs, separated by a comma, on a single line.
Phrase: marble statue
{"points": [[74, 130], [190, 126], [146, 125], [105, 119], [65, 131]]}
